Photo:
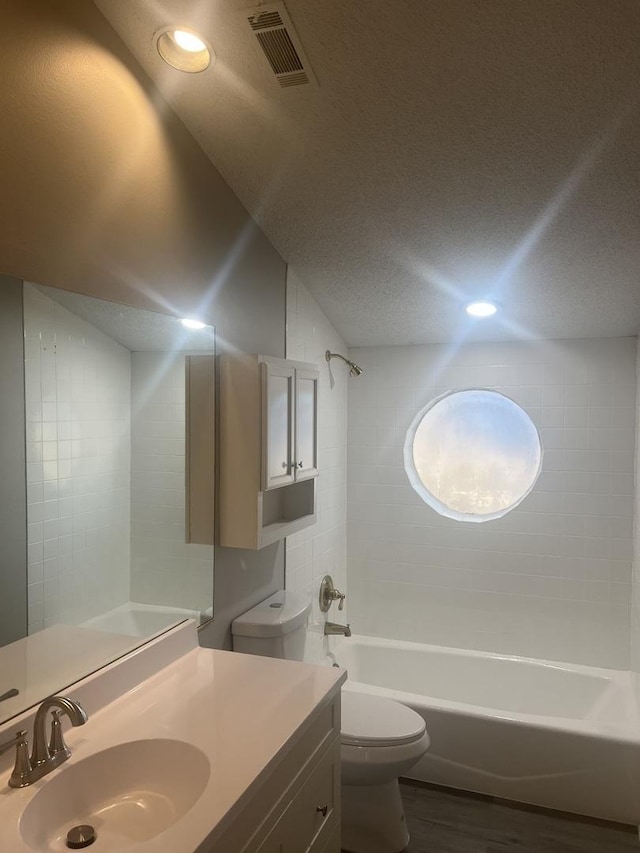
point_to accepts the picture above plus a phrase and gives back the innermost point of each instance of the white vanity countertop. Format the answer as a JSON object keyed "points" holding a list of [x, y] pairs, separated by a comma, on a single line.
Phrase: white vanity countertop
{"points": [[239, 710]]}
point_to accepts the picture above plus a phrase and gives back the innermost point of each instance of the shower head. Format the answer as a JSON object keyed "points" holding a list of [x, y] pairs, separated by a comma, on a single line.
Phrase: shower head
{"points": [[354, 370]]}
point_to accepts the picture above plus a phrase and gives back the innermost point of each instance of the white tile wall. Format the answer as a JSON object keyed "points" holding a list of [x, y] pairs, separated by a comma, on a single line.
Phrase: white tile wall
{"points": [[164, 569], [321, 549], [552, 579], [78, 409]]}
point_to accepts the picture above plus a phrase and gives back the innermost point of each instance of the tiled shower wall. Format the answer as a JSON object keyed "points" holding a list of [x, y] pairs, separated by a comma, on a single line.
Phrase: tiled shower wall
{"points": [[322, 548], [551, 579], [77, 383], [164, 569]]}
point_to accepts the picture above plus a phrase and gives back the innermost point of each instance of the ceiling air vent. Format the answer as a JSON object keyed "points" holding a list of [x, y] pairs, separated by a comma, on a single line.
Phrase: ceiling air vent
{"points": [[279, 41]]}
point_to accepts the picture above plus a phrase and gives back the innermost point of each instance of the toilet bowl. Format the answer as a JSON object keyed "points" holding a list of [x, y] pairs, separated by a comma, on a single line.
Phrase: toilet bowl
{"points": [[380, 741]]}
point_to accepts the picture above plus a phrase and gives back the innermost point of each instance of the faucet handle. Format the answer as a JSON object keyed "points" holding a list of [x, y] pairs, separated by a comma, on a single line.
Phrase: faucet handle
{"points": [[20, 776], [57, 746], [328, 594]]}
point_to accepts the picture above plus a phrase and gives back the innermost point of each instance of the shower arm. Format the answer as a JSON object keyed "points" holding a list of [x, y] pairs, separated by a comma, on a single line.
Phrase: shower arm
{"points": [[354, 369]]}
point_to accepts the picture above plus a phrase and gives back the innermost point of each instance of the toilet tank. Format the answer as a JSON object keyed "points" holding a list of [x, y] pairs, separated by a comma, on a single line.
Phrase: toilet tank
{"points": [[275, 628]]}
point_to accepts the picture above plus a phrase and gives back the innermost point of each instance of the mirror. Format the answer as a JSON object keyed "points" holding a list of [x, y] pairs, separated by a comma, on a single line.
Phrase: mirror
{"points": [[119, 441]]}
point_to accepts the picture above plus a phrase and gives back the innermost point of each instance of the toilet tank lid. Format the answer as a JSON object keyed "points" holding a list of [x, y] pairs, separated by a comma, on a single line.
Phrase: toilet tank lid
{"points": [[279, 614]]}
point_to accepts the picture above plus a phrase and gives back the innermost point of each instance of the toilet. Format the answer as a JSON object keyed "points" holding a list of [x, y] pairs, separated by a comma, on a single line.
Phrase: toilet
{"points": [[275, 628], [381, 739]]}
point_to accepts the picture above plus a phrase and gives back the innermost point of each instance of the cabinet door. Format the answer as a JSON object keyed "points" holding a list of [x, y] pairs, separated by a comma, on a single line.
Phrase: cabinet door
{"points": [[314, 813], [333, 844], [273, 843], [277, 425], [306, 457]]}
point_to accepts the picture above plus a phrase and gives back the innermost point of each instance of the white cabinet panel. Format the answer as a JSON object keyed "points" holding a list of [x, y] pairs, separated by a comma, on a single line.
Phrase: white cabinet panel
{"points": [[313, 815], [278, 420], [306, 444], [297, 809]]}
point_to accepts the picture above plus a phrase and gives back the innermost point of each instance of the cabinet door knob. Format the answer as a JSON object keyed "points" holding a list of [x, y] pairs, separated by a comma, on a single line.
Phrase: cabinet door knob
{"points": [[284, 464], [323, 810], [299, 464]]}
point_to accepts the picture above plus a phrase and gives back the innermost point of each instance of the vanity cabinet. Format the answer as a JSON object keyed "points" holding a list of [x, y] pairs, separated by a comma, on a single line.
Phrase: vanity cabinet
{"points": [[297, 808], [256, 766], [268, 449]]}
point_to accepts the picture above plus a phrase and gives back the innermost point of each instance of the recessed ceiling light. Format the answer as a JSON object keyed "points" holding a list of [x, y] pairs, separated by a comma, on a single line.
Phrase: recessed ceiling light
{"points": [[481, 309], [188, 41], [192, 324], [183, 49]]}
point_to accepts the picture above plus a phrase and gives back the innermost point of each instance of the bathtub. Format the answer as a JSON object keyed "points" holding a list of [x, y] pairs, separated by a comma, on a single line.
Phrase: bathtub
{"points": [[556, 735], [139, 620]]}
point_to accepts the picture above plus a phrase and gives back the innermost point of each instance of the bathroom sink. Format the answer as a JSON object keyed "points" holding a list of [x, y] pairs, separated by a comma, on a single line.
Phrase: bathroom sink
{"points": [[129, 793]]}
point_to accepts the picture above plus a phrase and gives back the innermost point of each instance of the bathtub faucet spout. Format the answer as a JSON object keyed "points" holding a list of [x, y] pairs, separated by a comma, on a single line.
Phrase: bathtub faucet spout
{"points": [[331, 628]]}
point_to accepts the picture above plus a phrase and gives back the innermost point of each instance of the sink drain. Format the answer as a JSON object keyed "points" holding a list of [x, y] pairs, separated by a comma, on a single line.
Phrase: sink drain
{"points": [[81, 836]]}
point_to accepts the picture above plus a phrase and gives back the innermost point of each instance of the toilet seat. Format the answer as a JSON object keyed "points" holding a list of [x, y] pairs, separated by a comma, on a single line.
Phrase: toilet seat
{"points": [[374, 721]]}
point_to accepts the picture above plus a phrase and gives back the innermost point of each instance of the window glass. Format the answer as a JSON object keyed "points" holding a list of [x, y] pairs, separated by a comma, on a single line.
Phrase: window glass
{"points": [[473, 455]]}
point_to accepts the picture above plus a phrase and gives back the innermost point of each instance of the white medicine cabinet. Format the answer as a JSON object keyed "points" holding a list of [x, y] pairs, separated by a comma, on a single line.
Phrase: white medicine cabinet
{"points": [[268, 449], [289, 413]]}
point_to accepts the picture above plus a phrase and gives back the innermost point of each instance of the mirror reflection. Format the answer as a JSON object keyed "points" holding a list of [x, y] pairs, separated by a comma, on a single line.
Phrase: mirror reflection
{"points": [[119, 444]]}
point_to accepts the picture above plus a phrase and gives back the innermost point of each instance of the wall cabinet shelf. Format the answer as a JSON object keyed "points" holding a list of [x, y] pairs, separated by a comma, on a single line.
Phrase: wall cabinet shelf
{"points": [[268, 449]]}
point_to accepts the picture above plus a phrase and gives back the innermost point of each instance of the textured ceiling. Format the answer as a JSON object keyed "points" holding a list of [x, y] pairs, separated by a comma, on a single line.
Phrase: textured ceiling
{"points": [[454, 149]]}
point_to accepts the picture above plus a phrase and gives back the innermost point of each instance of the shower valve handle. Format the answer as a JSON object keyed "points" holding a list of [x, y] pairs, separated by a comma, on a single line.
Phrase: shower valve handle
{"points": [[329, 594]]}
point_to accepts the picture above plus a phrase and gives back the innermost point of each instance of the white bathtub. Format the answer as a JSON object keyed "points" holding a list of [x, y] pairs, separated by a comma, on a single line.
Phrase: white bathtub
{"points": [[556, 735], [139, 620]]}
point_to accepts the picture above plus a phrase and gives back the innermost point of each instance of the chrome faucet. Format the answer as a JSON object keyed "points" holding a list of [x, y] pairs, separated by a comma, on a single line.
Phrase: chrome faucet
{"points": [[331, 628], [44, 758]]}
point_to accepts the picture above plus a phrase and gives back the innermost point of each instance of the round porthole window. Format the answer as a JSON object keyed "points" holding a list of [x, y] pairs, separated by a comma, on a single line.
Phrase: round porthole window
{"points": [[472, 455]]}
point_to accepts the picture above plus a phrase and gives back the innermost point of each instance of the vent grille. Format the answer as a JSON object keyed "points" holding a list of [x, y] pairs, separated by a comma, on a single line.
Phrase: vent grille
{"points": [[280, 44], [279, 50], [294, 80], [266, 19]]}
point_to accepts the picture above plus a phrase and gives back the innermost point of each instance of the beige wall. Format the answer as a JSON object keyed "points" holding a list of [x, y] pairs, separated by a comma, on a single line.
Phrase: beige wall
{"points": [[635, 585], [13, 519], [104, 192]]}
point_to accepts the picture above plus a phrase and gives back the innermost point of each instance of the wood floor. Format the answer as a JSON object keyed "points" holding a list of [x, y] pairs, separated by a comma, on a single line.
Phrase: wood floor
{"points": [[445, 821]]}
